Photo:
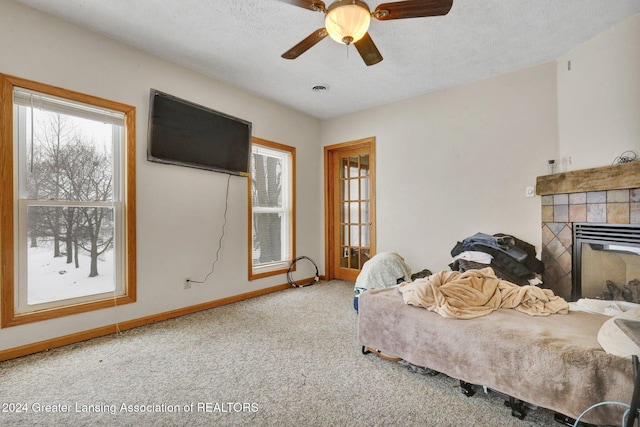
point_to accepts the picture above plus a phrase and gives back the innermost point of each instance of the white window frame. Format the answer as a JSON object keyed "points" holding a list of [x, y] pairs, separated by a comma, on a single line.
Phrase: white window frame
{"points": [[287, 211]]}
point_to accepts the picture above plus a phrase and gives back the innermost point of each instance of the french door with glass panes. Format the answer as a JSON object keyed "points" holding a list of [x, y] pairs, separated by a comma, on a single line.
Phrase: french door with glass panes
{"points": [[351, 208]]}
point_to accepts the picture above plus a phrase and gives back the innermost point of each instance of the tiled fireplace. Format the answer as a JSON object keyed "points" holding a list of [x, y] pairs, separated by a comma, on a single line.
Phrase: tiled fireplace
{"points": [[608, 195]]}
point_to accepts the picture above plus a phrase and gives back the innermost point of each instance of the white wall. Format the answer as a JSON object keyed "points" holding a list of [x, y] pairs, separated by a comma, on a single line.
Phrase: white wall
{"points": [[457, 162], [180, 210], [599, 98], [449, 163]]}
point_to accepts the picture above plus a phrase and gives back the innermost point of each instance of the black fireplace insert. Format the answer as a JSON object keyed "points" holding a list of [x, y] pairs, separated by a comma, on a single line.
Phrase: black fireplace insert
{"points": [[606, 262]]}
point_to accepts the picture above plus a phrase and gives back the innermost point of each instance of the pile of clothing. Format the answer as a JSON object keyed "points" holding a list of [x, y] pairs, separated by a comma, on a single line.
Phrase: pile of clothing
{"points": [[510, 258]]}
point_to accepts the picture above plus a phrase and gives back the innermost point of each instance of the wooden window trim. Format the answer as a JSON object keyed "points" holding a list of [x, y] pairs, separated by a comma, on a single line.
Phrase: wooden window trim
{"points": [[7, 194], [292, 151]]}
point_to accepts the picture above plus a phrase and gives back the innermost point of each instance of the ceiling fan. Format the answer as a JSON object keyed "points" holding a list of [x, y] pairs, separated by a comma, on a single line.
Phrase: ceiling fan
{"points": [[347, 21]]}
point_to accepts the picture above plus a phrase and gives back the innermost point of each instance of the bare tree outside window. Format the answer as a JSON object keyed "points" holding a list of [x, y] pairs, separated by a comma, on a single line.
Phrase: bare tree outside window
{"points": [[70, 159], [68, 205], [267, 193]]}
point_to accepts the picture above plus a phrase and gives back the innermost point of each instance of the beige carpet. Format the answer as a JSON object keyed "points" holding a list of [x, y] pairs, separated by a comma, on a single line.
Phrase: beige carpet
{"points": [[284, 359]]}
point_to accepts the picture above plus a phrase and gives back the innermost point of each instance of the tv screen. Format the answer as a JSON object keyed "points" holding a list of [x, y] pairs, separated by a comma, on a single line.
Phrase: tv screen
{"points": [[187, 134]]}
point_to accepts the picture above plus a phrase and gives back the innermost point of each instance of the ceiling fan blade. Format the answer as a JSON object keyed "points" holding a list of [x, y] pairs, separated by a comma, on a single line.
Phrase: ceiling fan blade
{"points": [[306, 44], [368, 50], [412, 9], [315, 5]]}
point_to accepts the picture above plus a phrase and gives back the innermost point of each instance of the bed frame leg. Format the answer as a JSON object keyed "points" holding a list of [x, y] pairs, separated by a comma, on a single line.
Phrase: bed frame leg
{"points": [[517, 407], [466, 388]]}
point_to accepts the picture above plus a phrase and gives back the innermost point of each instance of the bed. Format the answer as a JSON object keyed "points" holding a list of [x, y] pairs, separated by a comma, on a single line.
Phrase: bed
{"points": [[555, 362]]}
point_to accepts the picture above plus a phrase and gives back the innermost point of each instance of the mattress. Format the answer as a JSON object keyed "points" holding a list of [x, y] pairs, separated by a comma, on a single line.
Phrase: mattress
{"points": [[554, 362]]}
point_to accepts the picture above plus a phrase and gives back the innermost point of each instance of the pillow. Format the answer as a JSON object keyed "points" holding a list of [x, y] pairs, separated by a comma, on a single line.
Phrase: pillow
{"points": [[616, 342]]}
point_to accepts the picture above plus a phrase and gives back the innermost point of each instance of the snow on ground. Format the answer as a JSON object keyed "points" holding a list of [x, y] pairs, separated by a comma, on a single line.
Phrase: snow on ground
{"points": [[52, 279]]}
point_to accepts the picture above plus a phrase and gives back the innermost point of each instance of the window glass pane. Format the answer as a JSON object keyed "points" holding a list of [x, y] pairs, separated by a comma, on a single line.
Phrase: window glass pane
{"points": [[267, 188], [47, 102], [67, 157], [267, 238], [70, 252]]}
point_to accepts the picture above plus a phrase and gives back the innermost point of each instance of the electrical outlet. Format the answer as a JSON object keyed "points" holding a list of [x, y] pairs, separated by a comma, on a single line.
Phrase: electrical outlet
{"points": [[187, 283]]}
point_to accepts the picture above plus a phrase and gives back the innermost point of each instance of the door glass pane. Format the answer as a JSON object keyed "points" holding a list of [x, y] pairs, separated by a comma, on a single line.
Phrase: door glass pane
{"points": [[354, 190], [354, 238], [344, 167], [364, 256], [353, 167], [354, 215], [354, 259], [344, 190], [364, 165], [364, 213], [344, 235], [344, 258], [70, 252], [364, 189], [364, 236]]}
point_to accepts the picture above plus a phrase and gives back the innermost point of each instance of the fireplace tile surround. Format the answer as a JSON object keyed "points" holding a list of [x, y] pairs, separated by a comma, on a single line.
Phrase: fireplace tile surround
{"points": [[609, 195]]}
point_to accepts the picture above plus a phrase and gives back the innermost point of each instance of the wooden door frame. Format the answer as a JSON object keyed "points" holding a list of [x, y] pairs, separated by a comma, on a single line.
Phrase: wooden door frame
{"points": [[330, 151]]}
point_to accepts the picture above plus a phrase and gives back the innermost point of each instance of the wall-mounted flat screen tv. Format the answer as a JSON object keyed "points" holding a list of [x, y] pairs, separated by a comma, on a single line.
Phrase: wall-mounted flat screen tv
{"points": [[187, 134]]}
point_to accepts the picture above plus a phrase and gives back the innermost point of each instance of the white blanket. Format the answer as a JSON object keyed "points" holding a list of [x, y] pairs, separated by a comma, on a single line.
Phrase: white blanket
{"points": [[382, 271]]}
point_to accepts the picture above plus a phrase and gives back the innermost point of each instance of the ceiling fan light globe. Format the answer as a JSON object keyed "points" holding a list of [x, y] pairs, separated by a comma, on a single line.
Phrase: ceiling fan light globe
{"points": [[347, 21]]}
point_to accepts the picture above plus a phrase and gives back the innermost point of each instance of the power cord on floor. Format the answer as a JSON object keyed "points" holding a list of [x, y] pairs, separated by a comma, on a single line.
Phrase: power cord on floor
{"points": [[290, 279], [624, 416], [224, 224]]}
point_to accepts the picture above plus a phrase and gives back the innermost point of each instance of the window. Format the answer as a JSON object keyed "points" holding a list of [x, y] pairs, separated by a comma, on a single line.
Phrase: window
{"points": [[67, 203], [271, 208]]}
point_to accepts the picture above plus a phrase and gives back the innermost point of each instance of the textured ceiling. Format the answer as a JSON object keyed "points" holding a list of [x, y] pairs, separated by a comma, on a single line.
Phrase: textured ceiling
{"points": [[240, 42]]}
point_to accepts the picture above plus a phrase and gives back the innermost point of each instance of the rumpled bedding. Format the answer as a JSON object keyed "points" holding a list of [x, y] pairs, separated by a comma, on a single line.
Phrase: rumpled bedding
{"points": [[384, 270], [476, 293], [553, 361]]}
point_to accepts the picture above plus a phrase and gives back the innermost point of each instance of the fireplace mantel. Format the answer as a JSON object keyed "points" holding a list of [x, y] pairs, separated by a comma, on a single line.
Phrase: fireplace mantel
{"points": [[604, 195], [616, 177]]}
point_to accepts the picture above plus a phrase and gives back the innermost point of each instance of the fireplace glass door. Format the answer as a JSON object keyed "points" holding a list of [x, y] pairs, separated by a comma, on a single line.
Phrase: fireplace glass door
{"points": [[607, 262]]}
